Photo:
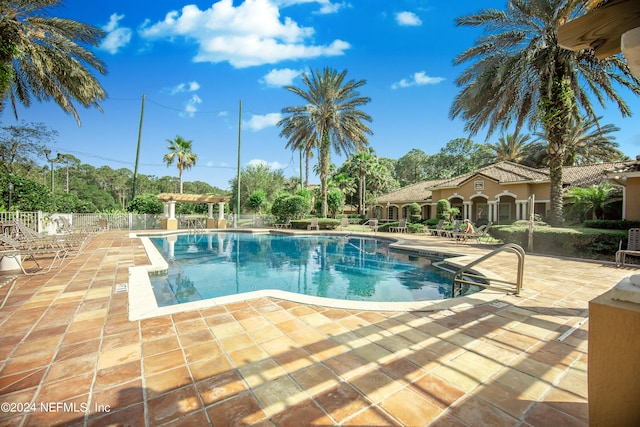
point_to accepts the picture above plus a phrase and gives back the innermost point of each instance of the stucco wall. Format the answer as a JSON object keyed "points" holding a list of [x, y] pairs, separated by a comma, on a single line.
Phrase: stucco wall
{"points": [[633, 199]]}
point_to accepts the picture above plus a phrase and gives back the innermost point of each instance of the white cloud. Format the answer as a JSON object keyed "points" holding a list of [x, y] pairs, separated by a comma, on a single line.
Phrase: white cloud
{"points": [[258, 122], [418, 79], [117, 37], [408, 19], [281, 77], [326, 6], [192, 106], [249, 34], [185, 87], [257, 162]]}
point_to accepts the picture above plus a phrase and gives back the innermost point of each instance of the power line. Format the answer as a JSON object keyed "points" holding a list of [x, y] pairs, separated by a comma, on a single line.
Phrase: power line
{"points": [[124, 162]]}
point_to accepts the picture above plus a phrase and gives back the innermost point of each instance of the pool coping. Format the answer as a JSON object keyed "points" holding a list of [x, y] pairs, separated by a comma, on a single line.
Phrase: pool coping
{"points": [[143, 303]]}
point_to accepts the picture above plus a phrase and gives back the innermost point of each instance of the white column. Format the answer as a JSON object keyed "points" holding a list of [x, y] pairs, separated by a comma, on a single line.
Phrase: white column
{"points": [[220, 210], [165, 209], [493, 211], [467, 207], [172, 209], [210, 210]]}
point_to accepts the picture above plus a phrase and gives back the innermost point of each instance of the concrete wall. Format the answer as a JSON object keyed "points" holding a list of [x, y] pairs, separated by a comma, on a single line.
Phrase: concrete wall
{"points": [[614, 362]]}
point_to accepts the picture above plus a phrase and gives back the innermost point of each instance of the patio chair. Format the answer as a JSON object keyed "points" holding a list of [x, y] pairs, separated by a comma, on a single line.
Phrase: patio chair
{"points": [[344, 223], [372, 224], [285, 224], [401, 227], [313, 224], [633, 247]]}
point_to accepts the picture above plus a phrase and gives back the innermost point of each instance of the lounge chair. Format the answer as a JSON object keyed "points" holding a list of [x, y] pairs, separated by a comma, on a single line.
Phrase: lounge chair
{"points": [[21, 252], [313, 224], [450, 233], [439, 228], [401, 227], [344, 223], [480, 232], [28, 238], [285, 224], [633, 247]]}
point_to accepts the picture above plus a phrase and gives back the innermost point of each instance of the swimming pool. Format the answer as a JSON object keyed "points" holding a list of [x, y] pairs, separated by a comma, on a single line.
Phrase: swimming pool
{"points": [[210, 265]]}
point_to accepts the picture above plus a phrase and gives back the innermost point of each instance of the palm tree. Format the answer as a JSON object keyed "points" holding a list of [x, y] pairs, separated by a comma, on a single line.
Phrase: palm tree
{"points": [[180, 149], [587, 143], [43, 57], [363, 164], [511, 147], [591, 200], [344, 183], [330, 118], [520, 74]]}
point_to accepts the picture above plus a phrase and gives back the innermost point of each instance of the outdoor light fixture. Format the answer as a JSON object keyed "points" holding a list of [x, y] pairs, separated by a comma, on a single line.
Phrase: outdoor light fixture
{"points": [[10, 188]]}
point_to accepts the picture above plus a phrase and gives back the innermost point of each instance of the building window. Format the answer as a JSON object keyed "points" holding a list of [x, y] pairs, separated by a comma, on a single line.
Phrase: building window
{"points": [[478, 185], [482, 212], [504, 211]]}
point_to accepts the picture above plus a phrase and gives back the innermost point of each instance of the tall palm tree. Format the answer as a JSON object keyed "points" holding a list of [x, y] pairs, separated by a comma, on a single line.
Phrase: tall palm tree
{"points": [[330, 117], [344, 183], [511, 147], [44, 57], [180, 150], [520, 74], [587, 143], [363, 164]]}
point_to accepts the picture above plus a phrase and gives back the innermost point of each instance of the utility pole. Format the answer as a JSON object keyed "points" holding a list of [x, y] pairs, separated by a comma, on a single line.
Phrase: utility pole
{"points": [[237, 217], [135, 170]]}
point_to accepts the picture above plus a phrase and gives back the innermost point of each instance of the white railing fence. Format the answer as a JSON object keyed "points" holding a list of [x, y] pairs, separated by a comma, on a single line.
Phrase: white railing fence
{"points": [[49, 223]]}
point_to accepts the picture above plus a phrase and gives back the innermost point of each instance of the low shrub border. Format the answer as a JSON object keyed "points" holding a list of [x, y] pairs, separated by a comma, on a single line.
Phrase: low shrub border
{"points": [[324, 223], [587, 243]]}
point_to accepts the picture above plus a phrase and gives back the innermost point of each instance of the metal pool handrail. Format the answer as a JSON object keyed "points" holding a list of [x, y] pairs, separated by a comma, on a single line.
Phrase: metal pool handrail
{"points": [[464, 274]]}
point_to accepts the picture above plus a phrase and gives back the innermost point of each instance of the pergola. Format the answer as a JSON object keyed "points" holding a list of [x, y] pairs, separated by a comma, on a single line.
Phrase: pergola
{"points": [[169, 221], [608, 30]]}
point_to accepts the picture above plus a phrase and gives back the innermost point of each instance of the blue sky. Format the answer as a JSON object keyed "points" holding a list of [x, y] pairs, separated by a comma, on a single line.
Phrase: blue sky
{"points": [[195, 61]]}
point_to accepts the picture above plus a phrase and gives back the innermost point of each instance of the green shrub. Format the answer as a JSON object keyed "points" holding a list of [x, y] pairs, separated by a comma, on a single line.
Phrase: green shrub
{"points": [[442, 209], [608, 224], [145, 204], [570, 242], [324, 223], [287, 206], [415, 218]]}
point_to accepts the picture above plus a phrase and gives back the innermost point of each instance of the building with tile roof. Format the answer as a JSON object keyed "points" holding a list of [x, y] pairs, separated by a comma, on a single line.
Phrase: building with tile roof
{"points": [[499, 192], [627, 177]]}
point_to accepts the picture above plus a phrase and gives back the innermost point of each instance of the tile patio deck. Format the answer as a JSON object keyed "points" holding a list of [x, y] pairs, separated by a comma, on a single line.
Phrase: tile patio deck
{"points": [[70, 355]]}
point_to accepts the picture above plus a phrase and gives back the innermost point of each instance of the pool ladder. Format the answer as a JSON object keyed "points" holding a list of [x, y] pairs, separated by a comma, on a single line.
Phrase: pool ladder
{"points": [[465, 276]]}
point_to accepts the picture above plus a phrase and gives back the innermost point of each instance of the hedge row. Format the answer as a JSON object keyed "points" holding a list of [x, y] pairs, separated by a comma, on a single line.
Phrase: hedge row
{"points": [[586, 243], [607, 224]]}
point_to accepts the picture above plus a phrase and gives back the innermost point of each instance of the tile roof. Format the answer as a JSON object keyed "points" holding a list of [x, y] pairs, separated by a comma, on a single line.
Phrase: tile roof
{"points": [[507, 172], [502, 172], [584, 176]]}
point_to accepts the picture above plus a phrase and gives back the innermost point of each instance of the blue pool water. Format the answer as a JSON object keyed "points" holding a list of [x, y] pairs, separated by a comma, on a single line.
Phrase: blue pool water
{"points": [[210, 265]]}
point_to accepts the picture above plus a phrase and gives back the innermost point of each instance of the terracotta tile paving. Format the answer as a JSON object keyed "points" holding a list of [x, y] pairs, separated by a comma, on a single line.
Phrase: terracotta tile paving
{"points": [[68, 346]]}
